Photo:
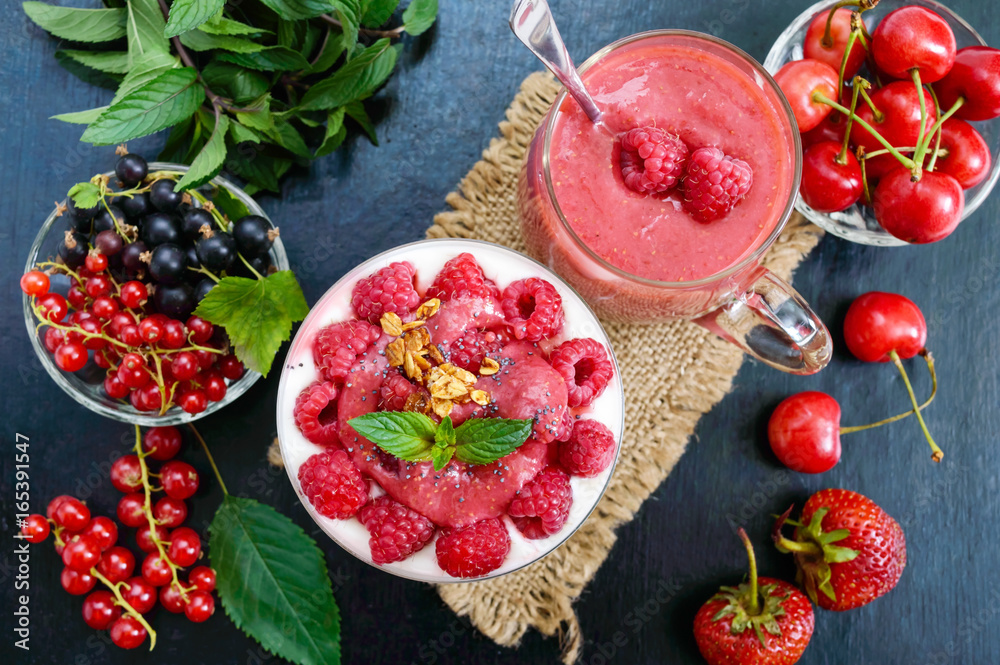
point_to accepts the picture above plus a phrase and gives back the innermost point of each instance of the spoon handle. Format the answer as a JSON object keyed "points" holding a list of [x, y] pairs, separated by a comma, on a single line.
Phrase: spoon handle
{"points": [[532, 23]]}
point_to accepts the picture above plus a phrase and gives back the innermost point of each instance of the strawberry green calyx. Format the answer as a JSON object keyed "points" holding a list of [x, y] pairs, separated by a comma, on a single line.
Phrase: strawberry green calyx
{"points": [[814, 551]]}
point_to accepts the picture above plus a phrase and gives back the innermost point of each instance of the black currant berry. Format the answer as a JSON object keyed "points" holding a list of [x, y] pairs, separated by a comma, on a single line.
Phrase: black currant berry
{"points": [[191, 256], [218, 252], [108, 243], [160, 228], [131, 254], [168, 264], [251, 235], [131, 169], [202, 288], [193, 220], [137, 206], [104, 220], [258, 263], [175, 301], [73, 250], [163, 197], [80, 215]]}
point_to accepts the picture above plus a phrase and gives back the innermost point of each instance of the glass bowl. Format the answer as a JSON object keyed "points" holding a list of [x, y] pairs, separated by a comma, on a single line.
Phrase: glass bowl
{"points": [[857, 223], [504, 266], [86, 385]]}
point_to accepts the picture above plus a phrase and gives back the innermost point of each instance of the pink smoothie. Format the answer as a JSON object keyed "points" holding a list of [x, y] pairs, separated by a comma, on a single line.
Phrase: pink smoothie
{"points": [[708, 102]]}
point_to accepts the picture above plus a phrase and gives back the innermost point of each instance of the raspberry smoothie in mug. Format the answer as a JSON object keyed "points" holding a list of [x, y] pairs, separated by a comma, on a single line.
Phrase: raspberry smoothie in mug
{"points": [[665, 209]]}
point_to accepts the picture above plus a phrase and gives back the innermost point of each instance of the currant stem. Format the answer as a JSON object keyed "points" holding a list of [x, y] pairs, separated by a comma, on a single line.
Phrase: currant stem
{"points": [[249, 267], [211, 460], [128, 607], [204, 271], [754, 608], [930, 366], [823, 99], [220, 221], [936, 453]]}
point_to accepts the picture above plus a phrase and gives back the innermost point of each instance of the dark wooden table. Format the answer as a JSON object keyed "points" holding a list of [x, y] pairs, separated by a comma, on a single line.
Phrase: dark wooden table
{"points": [[438, 113]]}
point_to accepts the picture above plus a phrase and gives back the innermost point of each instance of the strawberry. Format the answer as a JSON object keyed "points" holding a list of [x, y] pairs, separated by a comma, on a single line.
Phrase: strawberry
{"points": [[848, 550], [769, 624]]}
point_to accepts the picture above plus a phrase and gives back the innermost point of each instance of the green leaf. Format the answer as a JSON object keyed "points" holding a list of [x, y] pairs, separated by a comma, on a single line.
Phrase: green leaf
{"points": [[406, 435], [189, 14], [145, 31], [444, 435], [299, 9], [220, 25], [485, 440], [285, 135], [257, 314], [143, 70], [257, 114], [241, 134], [110, 62], [80, 117], [271, 58], [377, 12], [235, 82], [328, 55], [178, 142], [357, 111], [209, 161], [260, 169], [78, 25], [85, 194], [441, 456], [419, 16], [164, 101], [348, 12], [196, 40], [230, 206], [87, 74], [356, 80], [335, 133], [273, 582]]}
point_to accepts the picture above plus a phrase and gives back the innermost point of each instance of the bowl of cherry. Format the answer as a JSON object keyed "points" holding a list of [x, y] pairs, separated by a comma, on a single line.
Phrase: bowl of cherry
{"points": [[110, 290], [943, 170]]}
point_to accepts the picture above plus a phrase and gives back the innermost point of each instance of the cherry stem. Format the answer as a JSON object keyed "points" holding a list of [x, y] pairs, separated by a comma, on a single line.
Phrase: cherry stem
{"points": [[878, 115], [936, 453], [823, 99], [120, 600], [754, 608], [858, 82], [940, 121], [211, 460], [918, 156], [934, 385], [937, 134], [864, 175], [843, 63]]}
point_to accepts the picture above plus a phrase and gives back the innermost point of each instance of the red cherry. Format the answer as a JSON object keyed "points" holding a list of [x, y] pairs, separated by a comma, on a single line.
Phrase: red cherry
{"points": [[35, 528], [81, 553], [117, 564], [100, 610], [203, 578], [162, 443], [171, 599], [827, 185], [103, 530], [131, 510], [127, 632], [798, 80], [918, 212], [76, 582], [139, 594], [975, 77], [968, 160], [126, 474], [71, 514], [179, 479], [804, 432], [155, 570], [833, 55], [145, 541], [832, 128], [200, 606], [877, 323], [185, 546], [911, 38], [170, 512], [35, 283], [900, 125]]}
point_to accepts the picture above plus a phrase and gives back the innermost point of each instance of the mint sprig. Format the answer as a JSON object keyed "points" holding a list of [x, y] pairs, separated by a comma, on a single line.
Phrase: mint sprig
{"points": [[414, 437]]}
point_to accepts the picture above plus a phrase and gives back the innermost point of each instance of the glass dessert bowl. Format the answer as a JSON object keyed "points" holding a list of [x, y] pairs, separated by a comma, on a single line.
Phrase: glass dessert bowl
{"points": [[452, 339]]}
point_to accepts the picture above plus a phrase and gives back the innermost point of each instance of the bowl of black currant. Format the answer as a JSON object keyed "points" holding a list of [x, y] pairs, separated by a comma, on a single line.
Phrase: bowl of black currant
{"points": [[113, 279]]}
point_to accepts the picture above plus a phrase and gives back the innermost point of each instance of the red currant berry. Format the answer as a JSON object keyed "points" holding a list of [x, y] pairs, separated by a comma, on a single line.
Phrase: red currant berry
{"points": [[53, 307], [179, 479], [205, 358], [77, 297], [203, 578], [185, 366], [162, 443], [200, 329], [174, 334], [35, 528], [100, 610], [170, 512], [132, 370], [35, 283], [131, 510], [92, 328], [114, 388], [117, 564], [127, 632], [193, 401], [52, 339], [133, 294], [105, 308], [231, 367], [185, 546], [877, 323], [102, 359], [214, 386], [96, 262], [130, 335], [171, 599], [50, 509], [103, 530], [151, 330], [150, 397], [126, 474], [71, 356], [155, 570], [199, 607], [71, 514], [139, 594], [81, 553], [804, 432], [98, 286], [145, 541], [77, 582]]}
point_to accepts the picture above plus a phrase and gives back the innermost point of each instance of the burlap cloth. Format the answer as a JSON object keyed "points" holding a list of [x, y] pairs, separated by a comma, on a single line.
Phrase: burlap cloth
{"points": [[663, 400]]}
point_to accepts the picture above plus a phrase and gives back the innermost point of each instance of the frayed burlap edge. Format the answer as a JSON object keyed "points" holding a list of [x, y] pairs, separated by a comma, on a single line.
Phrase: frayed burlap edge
{"points": [[664, 400]]}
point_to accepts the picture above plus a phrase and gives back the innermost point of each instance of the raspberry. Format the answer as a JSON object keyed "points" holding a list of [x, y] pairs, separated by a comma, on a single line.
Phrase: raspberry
{"points": [[338, 346], [333, 485], [474, 550], [714, 183], [315, 413], [394, 391], [469, 350], [390, 289], [397, 532], [564, 429], [462, 277], [585, 366], [541, 507], [589, 450], [533, 309], [652, 161]]}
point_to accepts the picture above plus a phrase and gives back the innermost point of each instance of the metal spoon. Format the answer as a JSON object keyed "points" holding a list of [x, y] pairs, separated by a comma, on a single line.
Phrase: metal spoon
{"points": [[532, 23]]}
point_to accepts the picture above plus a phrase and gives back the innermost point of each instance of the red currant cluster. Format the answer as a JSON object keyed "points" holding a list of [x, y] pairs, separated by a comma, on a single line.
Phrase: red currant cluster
{"points": [[90, 554], [900, 141]]}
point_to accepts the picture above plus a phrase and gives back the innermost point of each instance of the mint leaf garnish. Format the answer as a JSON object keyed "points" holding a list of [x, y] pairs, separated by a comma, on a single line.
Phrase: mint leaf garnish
{"points": [[408, 436], [419, 16], [189, 14], [485, 440], [445, 434], [257, 314], [78, 25], [85, 194]]}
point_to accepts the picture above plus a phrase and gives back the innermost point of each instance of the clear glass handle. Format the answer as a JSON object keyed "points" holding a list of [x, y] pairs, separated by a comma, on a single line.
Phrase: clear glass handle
{"points": [[772, 323]]}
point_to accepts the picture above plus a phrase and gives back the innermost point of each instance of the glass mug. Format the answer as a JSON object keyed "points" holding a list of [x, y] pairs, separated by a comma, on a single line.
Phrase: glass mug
{"points": [[744, 303]]}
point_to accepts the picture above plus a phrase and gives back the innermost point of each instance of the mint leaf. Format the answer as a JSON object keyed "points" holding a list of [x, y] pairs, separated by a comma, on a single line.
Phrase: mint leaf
{"points": [[348, 12], [145, 30], [209, 161], [85, 194], [356, 80], [298, 9], [441, 456], [235, 82], [197, 40], [257, 114], [269, 59], [331, 51], [166, 100], [81, 117], [230, 206], [78, 25], [444, 436], [357, 112], [240, 134], [144, 69], [335, 133], [256, 313], [189, 14], [485, 440], [408, 436], [273, 582], [110, 62], [259, 168], [87, 74], [178, 141], [419, 16], [220, 25], [377, 12], [289, 138]]}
